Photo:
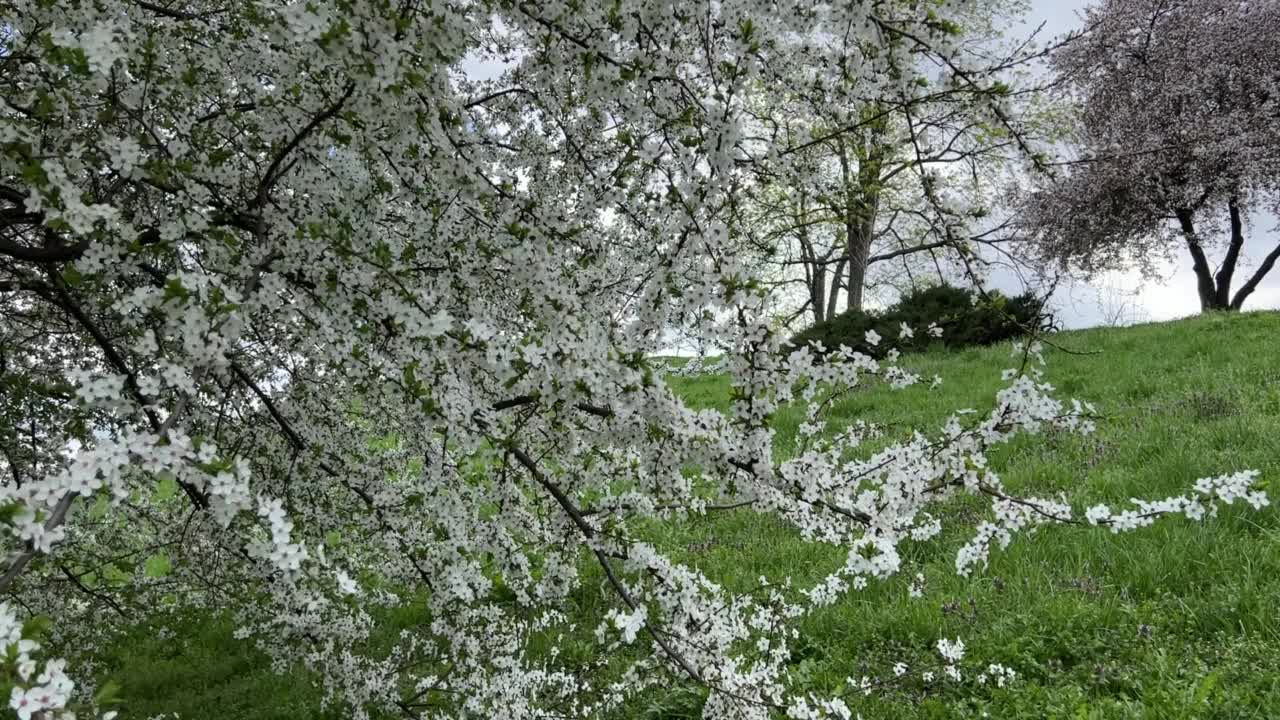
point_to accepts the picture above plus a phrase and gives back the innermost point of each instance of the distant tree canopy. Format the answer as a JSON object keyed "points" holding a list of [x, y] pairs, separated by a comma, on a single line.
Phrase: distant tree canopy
{"points": [[1177, 136]]}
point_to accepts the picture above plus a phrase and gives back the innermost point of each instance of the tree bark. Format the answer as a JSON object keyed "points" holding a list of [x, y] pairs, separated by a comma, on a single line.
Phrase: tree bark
{"points": [[815, 269], [818, 294], [833, 294], [858, 247], [1222, 297], [818, 288], [861, 205], [1247, 289], [1204, 276], [1215, 289]]}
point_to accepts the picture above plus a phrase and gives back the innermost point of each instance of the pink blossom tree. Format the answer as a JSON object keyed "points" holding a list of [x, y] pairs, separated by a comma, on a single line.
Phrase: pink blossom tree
{"points": [[1179, 101]]}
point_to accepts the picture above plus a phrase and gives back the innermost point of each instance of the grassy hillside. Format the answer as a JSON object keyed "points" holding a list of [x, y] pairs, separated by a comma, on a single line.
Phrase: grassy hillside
{"points": [[1174, 621]]}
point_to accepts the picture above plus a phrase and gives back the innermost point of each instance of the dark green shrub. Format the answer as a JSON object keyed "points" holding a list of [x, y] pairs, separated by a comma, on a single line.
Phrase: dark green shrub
{"points": [[966, 318], [952, 308], [847, 328]]}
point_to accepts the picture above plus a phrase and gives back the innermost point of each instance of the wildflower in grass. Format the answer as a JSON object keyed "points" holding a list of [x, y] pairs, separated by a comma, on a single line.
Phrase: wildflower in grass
{"points": [[951, 650], [917, 587]]}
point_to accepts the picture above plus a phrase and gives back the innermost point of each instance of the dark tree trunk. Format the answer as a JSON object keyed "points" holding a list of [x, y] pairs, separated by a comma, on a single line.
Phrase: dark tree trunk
{"points": [[1247, 289], [1205, 285], [833, 294], [818, 294], [1215, 289], [861, 204], [858, 248], [815, 267], [1222, 298]]}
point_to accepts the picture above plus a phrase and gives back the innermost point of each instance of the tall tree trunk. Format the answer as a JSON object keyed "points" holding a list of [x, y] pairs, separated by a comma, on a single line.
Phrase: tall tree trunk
{"points": [[1225, 273], [861, 204], [1205, 284], [816, 281], [818, 290], [833, 293], [818, 294], [815, 268], [858, 248]]}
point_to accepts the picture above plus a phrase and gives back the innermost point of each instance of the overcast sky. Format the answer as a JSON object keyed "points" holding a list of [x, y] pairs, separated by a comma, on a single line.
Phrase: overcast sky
{"points": [[1124, 293]]}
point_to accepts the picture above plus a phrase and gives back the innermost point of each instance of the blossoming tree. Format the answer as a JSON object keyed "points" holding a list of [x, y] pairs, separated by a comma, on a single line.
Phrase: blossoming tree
{"points": [[1178, 108], [305, 323], [914, 193]]}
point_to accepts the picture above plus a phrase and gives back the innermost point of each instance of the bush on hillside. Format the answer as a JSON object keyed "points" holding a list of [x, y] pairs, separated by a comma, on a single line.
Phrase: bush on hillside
{"points": [[966, 318]]}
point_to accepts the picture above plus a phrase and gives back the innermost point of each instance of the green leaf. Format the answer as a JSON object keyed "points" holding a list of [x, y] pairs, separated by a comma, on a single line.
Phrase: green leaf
{"points": [[8, 511], [100, 508], [33, 172], [1205, 689], [36, 626], [166, 488], [173, 289], [108, 693], [72, 277], [158, 566]]}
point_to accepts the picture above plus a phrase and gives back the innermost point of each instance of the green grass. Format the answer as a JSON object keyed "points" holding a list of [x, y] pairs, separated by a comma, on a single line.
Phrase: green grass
{"points": [[195, 668], [1098, 625], [1174, 621]]}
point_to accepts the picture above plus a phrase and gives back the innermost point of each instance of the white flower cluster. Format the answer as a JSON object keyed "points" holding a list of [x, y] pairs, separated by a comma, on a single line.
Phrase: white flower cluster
{"points": [[101, 42], [697, 365], [112, 465], [1212, 493], [997, 673], [281, 552], [629, 623], [802, 708], [951, 650], [40, 692]]}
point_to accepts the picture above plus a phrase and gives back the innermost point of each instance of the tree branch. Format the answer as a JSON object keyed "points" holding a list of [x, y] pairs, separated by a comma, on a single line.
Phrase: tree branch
{"points": [[274, 170], [1247, 289]]}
